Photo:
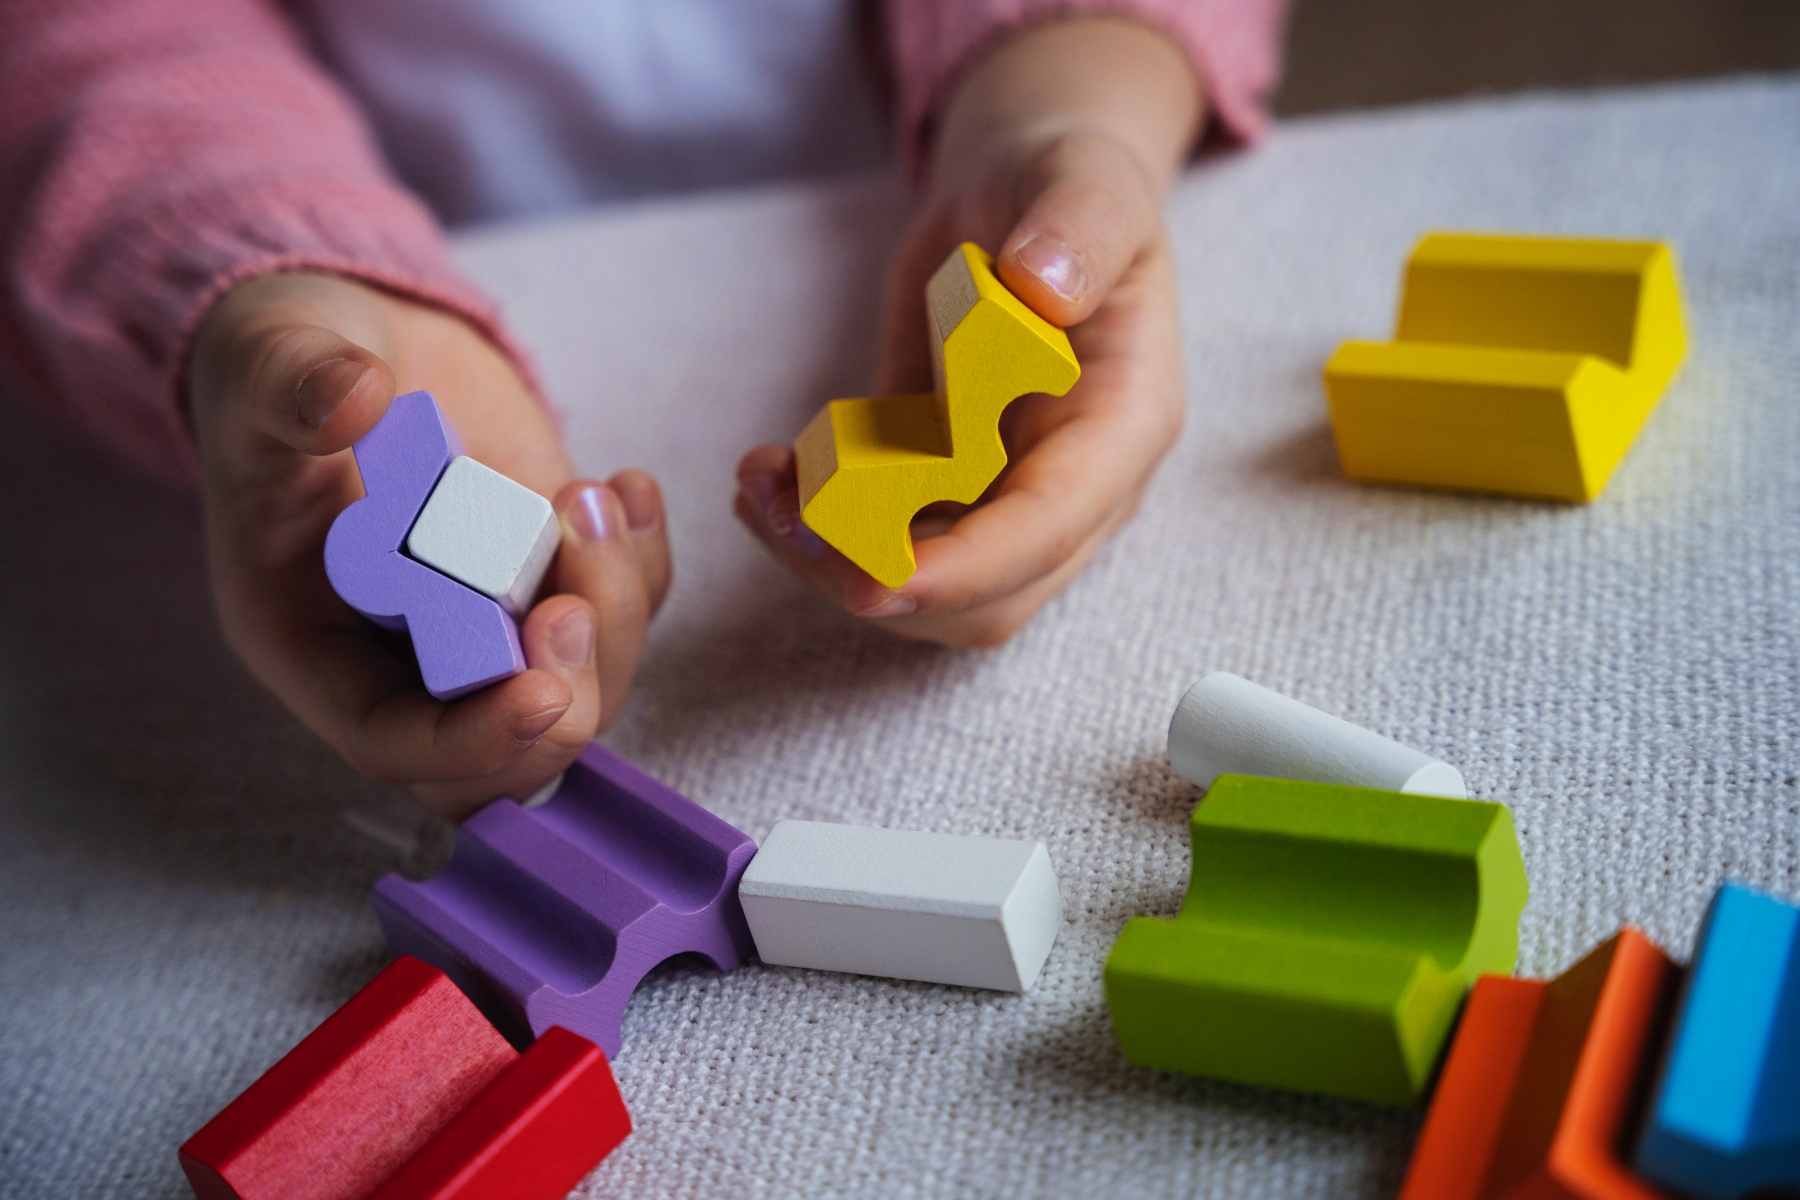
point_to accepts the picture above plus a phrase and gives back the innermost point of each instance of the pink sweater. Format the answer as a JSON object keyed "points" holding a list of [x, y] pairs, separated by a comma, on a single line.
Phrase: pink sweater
{"points": [[153, 153]]}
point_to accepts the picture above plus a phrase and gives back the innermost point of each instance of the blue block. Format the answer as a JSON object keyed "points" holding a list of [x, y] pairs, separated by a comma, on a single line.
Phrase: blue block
{"points": [[1725, 1119]]}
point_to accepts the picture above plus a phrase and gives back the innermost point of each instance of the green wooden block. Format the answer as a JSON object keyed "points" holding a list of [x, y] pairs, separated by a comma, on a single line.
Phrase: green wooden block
{"points": [[1328, 937]]}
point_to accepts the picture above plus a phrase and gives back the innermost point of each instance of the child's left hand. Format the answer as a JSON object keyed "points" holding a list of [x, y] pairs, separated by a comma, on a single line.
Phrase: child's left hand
{"points": [[1056, 150]]}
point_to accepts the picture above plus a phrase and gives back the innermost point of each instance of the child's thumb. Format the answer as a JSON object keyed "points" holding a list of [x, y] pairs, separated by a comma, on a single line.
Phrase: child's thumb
{"points": [[1088, 210], [312, 389]]}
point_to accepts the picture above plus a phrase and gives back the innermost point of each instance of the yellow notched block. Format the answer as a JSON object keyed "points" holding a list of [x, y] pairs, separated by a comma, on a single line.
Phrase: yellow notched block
{"points": [[867, 466], [1522, 365]]}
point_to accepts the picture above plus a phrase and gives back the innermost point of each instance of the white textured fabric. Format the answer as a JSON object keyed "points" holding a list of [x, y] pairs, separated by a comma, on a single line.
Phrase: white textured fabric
{"points": [[183, 871]]}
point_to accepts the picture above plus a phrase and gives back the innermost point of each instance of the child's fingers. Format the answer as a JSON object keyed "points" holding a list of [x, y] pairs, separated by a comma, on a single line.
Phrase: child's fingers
{"points": [[311, 389], [647, 520], [1088, 209], [599, 562]]}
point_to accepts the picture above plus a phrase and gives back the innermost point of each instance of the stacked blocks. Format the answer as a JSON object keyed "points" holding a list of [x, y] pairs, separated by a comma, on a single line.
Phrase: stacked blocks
{"points": [[1522, 365], [972, 911], [1539, 1090], [1327, 939], [552, 915], [406, 1093], [471, 522], [867, 466], [1725, 1117]]}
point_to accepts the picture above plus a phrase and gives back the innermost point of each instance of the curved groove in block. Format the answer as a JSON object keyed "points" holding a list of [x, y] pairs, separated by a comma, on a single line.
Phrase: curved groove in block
{"points": [[867, 466], [1542, 1084], [552, 915], [463, 640], [1520, 365], [356, 1099], [1326, 941], [1725, 1118]]}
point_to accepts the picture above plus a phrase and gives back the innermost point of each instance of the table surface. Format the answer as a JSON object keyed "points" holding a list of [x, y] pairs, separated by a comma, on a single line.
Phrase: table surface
{"points": [[184, 871]]}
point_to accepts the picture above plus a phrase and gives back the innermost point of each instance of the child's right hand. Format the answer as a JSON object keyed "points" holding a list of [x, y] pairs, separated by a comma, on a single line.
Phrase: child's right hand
{"points": [[288, 371]]}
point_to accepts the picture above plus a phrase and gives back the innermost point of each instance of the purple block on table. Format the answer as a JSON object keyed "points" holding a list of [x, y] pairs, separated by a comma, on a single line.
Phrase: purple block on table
{"points": [[462, 639], [552, 915]]}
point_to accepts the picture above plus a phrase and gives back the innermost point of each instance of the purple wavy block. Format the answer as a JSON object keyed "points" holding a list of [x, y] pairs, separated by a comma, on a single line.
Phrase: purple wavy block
{"points": [[462, 639], [553, 915]]}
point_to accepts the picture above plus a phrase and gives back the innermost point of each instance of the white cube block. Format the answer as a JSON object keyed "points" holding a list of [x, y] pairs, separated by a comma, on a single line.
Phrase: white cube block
{"points": [[1226, 725], [973, 911], [482, 529]]}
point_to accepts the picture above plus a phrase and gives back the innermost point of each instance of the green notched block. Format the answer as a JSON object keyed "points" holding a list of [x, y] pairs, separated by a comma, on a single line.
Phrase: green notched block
{"points": [[1328, 937]]}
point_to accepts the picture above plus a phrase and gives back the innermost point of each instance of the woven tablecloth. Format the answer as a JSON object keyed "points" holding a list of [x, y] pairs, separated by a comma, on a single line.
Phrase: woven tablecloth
{"points": [[184, 870]]}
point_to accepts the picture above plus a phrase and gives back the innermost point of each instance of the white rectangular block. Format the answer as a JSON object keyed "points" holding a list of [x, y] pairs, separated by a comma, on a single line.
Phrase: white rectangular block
{"points": [[937, 907], [485, 530]]}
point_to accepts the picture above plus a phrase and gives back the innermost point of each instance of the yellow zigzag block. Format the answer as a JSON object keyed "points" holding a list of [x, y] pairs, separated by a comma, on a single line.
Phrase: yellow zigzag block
{"points": [[1522, 365], [867, 466]]}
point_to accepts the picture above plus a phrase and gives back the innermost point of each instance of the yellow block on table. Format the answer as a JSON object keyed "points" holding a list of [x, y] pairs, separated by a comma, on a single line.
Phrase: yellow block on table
{"points": [[867, 466], [1522, 365]]}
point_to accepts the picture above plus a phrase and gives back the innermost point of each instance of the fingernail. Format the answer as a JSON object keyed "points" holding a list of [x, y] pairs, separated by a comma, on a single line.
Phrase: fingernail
{"points": [[1055, 264], [530, 729], [324, 388], [640, 507], [572, 639], [896, 605], [590, 515], [760, 487]]}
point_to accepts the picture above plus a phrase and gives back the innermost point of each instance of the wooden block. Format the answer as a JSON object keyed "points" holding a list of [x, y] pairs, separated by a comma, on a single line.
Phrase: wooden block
{"points": [[1226, 725], [463, 640], [1327, 939], [867, 466], [553, 915], [1522, 365], [1725, 1118], [344, 1109], [1541, 1085], [532, 1134], [973, 911], [483, 529]]}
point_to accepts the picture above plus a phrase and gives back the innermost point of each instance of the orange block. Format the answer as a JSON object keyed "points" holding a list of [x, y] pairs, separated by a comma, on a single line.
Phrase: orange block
{"points": [[1544, 1080]]}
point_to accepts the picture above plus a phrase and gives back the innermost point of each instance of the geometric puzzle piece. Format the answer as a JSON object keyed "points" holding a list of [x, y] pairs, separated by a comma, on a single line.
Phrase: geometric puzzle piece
{"points": [[1543, 1079], [487, 531], [1725, 1117], [553, 915], [394, 1074], [462, 640], [1226, 725], [532, 1134], [1327, 939], [937, 907], [867, 466], [1521, 365]]}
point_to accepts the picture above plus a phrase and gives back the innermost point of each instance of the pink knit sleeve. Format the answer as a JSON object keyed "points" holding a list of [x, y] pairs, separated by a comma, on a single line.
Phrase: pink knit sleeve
{"points": [[1235, 46], [152, 154]]}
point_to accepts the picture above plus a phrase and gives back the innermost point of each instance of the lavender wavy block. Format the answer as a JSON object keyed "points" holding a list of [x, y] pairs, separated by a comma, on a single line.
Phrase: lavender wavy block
{"points": [[462, 639], [552, 915]]}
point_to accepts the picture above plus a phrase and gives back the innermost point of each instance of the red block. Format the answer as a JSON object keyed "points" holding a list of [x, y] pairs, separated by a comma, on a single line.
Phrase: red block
{"points": [[408, 1069], [532, 1135]]}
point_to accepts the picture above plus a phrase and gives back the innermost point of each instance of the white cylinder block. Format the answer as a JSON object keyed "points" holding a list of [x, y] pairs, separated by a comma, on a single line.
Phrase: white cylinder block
{"points": [[1226, 725]]}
